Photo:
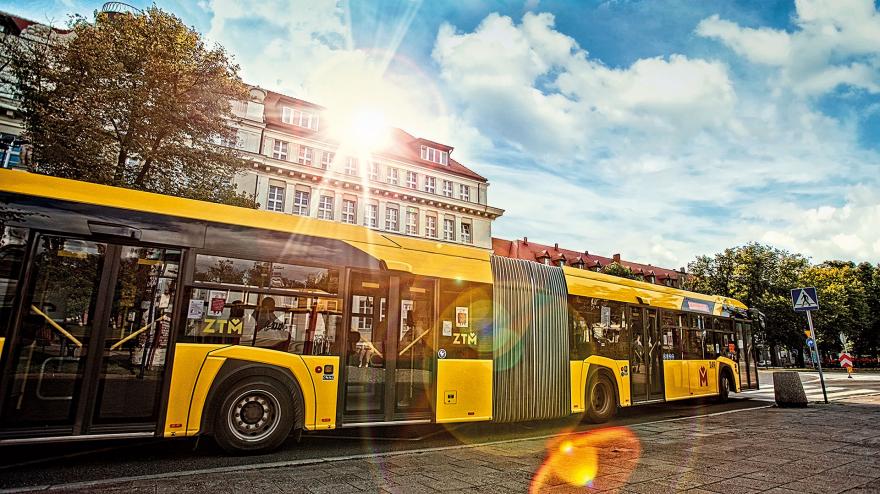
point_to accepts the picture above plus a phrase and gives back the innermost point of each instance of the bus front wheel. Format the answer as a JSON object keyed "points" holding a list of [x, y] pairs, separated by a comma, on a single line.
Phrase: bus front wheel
{"points": [[601, 399], [255, 415], [724, 386]]}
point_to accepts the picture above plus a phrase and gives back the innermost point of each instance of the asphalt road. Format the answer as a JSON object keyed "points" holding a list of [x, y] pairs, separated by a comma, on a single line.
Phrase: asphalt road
{"points": [[59, 464]]}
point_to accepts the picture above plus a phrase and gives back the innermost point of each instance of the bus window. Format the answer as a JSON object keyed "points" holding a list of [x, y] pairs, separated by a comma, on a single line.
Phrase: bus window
{"points": [[598, 328], [272, 305], [12, 247], [581, 319], [465, 319], [670, 337]]}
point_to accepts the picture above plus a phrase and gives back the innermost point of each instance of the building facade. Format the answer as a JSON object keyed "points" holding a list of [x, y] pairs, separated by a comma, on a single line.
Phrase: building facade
{"points": [[411, 186], [556, 256]]}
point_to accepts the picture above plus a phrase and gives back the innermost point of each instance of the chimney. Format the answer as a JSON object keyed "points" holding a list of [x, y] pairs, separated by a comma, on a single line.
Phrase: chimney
{"points": [[616, 258], [586, 253], [526, 240], [681, 270], [555, 246]]}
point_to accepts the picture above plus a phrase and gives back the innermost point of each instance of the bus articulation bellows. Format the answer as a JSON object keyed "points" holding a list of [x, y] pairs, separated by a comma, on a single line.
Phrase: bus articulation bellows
{"points": [[127, 314]]}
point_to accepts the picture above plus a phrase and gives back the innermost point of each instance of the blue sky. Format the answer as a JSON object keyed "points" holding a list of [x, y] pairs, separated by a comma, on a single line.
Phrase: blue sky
{"points": [[657, 129]]}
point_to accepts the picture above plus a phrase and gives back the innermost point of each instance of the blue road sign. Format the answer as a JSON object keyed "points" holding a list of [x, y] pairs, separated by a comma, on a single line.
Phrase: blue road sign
{"points": [[804, 299]]}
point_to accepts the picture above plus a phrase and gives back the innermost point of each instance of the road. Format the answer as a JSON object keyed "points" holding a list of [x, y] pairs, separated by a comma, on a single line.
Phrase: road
{"points": [[56, 465], [837, 385]]}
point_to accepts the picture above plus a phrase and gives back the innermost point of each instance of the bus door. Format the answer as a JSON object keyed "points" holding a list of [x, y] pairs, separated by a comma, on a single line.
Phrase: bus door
{"points": [[389, 362], [87, 352], [646, 355]]}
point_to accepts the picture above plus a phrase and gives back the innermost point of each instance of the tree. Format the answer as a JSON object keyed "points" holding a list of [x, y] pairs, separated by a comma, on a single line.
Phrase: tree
{"points": [[617, 269], [133, 100], [843, 305]]}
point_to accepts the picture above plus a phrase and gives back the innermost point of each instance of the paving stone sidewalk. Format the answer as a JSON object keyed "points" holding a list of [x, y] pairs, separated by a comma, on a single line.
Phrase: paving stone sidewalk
{"points": [[825, 448]]}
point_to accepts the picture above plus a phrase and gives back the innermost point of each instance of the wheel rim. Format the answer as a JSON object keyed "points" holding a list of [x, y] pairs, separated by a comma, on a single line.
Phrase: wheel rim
{"points": [[725, 383], [600, 397], [254, 415]]}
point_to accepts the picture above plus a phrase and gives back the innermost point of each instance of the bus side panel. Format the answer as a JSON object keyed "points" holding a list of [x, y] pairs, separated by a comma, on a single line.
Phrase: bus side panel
{"points": [[620, 369], [703, 377], [676, 379], [733, 367], [464, 390], [326, 389], [188, 360], [315, 389], [578, 385], [200, 393]]}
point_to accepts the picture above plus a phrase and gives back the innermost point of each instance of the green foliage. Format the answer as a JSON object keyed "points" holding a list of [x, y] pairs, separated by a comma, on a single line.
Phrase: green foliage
{"points": [[135, 101], [617, 269], [762, 277]]}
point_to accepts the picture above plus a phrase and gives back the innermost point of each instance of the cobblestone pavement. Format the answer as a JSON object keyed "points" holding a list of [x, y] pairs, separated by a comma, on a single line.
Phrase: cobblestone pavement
{"points": [[824, 448]]}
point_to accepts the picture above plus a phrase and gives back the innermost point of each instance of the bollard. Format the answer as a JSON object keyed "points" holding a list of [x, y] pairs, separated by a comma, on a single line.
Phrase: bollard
{"points": [[788, 389]]}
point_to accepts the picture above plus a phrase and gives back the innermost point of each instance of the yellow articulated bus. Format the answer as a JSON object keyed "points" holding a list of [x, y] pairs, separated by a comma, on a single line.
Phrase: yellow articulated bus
{"points": [[129, 314]]}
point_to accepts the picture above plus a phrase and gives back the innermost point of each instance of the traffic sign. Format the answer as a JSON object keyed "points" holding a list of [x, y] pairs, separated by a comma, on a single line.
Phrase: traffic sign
{"points": [[845, 360], [804, 299]]}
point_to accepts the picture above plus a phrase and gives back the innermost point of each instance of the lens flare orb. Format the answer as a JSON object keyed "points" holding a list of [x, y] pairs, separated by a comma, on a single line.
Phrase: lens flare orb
{"points": [[578, 459]]}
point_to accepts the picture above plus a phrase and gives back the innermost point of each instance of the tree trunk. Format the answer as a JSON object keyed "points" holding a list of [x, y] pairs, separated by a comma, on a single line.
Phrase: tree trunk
{"points": [[145, 169], [119, 174], [800, 358], [774, 355]]}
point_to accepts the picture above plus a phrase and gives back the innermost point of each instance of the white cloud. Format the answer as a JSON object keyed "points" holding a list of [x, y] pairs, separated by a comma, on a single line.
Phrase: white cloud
{"points": [[836, 43], [663, 159]]}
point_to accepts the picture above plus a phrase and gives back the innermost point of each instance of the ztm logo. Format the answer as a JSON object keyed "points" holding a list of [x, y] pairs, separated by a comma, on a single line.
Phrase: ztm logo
{"points": [[704, 377]]}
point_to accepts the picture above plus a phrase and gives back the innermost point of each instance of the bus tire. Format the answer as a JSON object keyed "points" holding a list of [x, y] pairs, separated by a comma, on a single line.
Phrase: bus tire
{"points": [[601, 399], [724, 384], [255, 415]]}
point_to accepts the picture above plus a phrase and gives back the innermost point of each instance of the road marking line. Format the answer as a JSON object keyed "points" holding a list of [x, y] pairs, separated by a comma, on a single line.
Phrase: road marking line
{"points": [[313, 461]]}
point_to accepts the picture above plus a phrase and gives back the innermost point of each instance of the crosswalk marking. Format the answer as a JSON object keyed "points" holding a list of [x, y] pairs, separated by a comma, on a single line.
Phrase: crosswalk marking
{"points": [[813, 391]]}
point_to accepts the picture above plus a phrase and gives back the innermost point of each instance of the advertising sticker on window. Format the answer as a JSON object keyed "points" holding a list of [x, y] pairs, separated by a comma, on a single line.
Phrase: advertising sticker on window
{"points": [[217, 303], [196, 309], [447, 328], [461, 317], [606, 316]]}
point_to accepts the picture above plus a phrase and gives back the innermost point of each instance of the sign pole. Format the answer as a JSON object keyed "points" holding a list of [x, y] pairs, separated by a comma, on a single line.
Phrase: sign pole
{"points": [[818, 355]]}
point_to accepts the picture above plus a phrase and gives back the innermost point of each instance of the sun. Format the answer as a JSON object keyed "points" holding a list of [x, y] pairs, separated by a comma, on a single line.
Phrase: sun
{"points": [[362, 128]]}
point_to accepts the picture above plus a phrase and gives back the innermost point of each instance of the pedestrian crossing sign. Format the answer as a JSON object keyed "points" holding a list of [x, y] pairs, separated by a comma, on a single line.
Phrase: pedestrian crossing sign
{"points": [[804, 299]]}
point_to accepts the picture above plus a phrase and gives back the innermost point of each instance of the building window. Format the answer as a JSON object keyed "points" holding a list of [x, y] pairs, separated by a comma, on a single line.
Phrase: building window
{"points": [[392, 219], [412, 222], [430, 184], [349, 211], [351, 166], [325, 207], [305, 155], [466, 233], [435, 155], [301, 203], [276, 198], [279, 150], [464, 192], [431, 226], [412, 180], [299, 118], [327, 159], [449, 229], [375, 173], [230, 139], [393, 177], [371, 216], [447, 188]]}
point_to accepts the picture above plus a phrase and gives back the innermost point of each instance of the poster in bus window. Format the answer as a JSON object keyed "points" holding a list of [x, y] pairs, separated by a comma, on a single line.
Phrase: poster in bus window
{"points": [[447, 328], [196, 309], [461, 317], [216, 303], [606, 316]]}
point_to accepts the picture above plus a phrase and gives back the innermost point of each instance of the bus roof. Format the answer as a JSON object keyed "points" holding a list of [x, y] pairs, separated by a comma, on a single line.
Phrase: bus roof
{"points": [[413, 255]]}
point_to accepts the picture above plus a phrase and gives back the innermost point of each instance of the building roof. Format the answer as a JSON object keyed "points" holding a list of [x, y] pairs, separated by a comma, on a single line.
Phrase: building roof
{"points": [[525, 249], [402, 144], [20, 23]]}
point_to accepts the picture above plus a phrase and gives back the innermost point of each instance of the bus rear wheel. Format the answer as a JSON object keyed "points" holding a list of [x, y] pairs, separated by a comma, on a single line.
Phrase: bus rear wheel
{"points": [[724, 385], [255, 416], [601, 399]]}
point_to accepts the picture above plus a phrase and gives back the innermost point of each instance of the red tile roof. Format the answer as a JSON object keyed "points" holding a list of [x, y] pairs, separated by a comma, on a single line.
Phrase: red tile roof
{"points": [[531, 251], [402, 145]]}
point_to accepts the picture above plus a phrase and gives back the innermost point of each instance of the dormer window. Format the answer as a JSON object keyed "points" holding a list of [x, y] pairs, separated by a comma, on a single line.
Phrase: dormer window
{"points": [[543, 258], [578, 263], [299, 118], [435, 155]]}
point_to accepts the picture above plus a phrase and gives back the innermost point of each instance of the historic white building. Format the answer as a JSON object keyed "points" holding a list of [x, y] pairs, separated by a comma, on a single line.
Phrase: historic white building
{"points": [[411, 186]]}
